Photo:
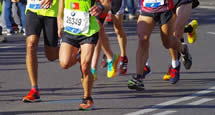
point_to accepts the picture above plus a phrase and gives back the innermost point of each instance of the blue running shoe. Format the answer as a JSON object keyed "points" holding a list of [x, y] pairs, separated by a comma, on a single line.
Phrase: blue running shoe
{"points": [[175, 74]]}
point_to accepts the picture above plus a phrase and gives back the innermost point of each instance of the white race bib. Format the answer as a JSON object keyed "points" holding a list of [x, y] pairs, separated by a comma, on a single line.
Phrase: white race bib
{"points": [[153, 3], [76, 21], [34, 4]]}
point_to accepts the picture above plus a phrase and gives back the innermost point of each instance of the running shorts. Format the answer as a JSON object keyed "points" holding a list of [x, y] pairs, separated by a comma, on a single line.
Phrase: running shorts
{"points": [[78, 40], [36, 23], [116, 9], [161, 17]]}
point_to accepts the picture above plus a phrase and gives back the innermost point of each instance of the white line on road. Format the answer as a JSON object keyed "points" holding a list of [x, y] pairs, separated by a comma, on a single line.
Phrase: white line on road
{"points": [[165, 113], [201, 101], [5, 47], [168, 103], [207, 7], [211, 33]]}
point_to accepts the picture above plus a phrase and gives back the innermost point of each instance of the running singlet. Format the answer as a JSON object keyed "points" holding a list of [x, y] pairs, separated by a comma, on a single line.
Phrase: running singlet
{"points": [[155, 6], [34, 6], [0, 8], [77, 19]]}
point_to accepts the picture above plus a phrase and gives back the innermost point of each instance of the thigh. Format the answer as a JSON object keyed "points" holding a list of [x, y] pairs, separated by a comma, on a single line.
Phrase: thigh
{"points": [[167, 30], [50, 31], [145, 25], [117, 7], [67, 53], [33, 24]]}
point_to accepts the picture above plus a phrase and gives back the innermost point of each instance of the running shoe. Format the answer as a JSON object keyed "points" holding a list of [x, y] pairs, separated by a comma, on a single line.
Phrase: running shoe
{"points": [[123, 65], [104, 62], [33, 96], [175, 74], [186, 57], [147, 71], [167, 76], [135, 83], [192, 36], [112, 66], [93, 71], [87, 104], [195, 3]]}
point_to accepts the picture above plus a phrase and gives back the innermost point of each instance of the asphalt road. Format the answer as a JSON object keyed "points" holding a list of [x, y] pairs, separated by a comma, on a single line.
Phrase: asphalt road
{"points": [[61, 90]]}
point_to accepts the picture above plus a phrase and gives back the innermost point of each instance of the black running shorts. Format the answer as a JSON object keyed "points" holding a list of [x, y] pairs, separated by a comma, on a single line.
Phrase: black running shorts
{"points": [[36, 23], [77, 41], [161, 18], [117, 7]]}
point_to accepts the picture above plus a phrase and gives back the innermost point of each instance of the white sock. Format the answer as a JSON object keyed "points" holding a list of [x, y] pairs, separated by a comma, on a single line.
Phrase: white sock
{"points": [[147, 63], [175, 63]]}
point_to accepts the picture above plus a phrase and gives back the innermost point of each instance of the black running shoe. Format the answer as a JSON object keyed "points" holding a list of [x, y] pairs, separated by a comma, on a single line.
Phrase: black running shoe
{"points": [[135, 83], [186, 58]]}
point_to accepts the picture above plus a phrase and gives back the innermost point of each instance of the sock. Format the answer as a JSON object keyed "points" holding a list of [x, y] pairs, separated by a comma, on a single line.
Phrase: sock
{"points": [[109, 60], [140, 77], [147, 63], [175, 63], [188, 29], [35, 87], [182, 40]]}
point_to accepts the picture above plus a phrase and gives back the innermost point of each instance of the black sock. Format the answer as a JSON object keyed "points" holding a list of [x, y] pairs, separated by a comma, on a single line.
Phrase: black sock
{"points": [[140, 77], [36, 87], [188, 29]]}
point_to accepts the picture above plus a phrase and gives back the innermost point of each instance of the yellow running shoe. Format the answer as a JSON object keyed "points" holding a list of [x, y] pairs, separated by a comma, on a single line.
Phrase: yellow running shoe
{"points": [[193, 35], [112, 66], [167, 76]]}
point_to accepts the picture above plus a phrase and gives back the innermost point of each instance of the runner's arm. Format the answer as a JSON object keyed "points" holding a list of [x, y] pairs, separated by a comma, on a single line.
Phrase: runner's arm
{"points": [[60, 17]]}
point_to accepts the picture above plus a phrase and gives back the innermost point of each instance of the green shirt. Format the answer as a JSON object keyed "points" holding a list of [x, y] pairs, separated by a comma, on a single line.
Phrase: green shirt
{"points": [[77, 20], [0, 8], [34, 6]]}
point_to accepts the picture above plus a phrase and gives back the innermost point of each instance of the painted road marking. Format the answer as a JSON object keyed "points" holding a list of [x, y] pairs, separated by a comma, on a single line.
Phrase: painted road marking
{"points": [[5, 47], [211, 33], [201, 101], [168, 103], [165, 113], [207, 7]]}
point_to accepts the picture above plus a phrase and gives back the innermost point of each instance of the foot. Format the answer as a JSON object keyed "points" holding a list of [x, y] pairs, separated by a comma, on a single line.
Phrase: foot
{"points": [[186, 58], [167, 76], [33, 96], [112, 66], [147, 71], [192, 36], [87, 104], [123, 65], [175, 74], [136, 83]]}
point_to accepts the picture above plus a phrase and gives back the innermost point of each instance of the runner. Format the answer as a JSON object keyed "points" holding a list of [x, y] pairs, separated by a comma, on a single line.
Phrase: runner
{"points": [[112, 59], [77, 17], [182, 11], [152, 12], [38, 19], [117, 15]]}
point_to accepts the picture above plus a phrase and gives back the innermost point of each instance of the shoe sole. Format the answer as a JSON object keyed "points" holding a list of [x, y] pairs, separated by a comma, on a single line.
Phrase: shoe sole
{"points": [[31, 101]]}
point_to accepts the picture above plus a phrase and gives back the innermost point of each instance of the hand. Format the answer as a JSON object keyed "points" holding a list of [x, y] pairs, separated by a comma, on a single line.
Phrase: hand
{"points": [[14, 1], [60, 27], [95, 11], [46, 4]]}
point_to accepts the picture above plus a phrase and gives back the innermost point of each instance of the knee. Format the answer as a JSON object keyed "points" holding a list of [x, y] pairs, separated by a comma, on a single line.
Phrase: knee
{"points": [[64, 64], [167, 44], [31, 45], [85, 68]]}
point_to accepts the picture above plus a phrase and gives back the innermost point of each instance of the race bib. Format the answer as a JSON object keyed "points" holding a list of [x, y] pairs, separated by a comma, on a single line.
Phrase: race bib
{"points": [[153, 3], [76, 21], [34, 4]]}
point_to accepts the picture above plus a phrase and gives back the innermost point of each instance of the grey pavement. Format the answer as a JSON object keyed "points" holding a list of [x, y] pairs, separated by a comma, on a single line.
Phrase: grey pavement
{"points": [[61, 90]]}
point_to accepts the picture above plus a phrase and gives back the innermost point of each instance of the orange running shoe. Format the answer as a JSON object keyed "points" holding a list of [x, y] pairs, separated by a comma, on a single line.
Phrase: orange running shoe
{"points": [[87, 104], [33, 96]]}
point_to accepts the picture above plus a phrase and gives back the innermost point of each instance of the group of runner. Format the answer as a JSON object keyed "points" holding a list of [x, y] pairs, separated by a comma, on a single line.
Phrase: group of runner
{"points": [[79, 23]]}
